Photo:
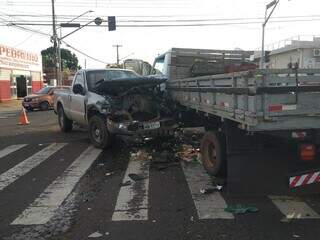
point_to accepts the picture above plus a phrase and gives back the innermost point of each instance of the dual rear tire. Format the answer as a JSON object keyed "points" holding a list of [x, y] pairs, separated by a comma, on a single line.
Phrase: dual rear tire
{"points": [[213, 153]]}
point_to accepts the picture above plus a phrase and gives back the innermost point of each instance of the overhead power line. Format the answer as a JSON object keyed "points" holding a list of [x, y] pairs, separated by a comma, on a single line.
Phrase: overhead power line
{"points": [[81, 52], [227, 23]]}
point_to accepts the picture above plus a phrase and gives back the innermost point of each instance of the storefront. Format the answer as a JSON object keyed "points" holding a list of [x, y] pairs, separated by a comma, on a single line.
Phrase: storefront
{"points": [[20, 73]]}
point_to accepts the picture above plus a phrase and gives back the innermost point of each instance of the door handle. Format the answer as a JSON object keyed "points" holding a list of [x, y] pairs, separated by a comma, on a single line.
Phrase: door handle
{"points": [[70, 98]]}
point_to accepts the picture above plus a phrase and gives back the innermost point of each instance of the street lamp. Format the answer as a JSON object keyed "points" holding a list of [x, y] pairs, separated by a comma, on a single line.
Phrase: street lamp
{"points": [[272, 5], [70, 25]]}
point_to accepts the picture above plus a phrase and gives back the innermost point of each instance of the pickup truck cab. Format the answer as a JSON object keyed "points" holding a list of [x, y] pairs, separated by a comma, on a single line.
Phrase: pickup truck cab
{"points": [[114, 102]]}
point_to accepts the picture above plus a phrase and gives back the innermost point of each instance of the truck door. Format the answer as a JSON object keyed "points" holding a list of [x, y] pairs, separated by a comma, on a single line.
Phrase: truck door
{"points": [[77, 101]]}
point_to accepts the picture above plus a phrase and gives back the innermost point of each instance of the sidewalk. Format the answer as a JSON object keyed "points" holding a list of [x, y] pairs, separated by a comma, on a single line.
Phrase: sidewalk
{"points": [[12, 105]]}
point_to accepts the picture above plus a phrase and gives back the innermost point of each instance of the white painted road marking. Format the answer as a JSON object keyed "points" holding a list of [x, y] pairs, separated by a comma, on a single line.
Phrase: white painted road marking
{"points": [[209, 206], [10, 149], [293, 208], [44, 207], [24, 167], [132, 202]]}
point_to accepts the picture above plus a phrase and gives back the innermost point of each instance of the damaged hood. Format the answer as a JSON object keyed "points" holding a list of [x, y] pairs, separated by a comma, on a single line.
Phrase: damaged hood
{"points": [[123, 85]]}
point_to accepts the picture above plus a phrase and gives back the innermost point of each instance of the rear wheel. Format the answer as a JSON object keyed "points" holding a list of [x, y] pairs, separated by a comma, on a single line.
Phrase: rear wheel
{"points": [[44, 106], [99, 135], [213, 153], [64, 122]]}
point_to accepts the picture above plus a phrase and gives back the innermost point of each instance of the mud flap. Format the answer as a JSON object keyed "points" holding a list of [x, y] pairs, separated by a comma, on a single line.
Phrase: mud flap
{"points": [[256, 169]]}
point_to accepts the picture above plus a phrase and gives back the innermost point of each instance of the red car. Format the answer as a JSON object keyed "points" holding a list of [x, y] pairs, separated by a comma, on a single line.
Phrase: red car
{"points": [[43, 99]]}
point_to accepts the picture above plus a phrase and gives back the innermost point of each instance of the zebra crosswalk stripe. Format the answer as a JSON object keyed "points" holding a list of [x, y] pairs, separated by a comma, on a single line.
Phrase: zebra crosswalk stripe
{"points": [[132, 202], [293, 208], [25, 166], [44, 207], [209, 206], [10, 149]]}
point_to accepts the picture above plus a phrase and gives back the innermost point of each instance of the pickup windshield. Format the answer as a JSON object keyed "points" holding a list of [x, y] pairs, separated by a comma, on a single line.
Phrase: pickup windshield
{"points": [[96, 76]]}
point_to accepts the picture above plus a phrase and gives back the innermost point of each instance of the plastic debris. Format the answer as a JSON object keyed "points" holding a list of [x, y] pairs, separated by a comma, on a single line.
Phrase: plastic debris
{"points": [[107, 233], [211, 190], [241, 209], [136, 177], [100, 164], [154, 221], [109, 173], [191, 219], [95, 235], [296, 236]]}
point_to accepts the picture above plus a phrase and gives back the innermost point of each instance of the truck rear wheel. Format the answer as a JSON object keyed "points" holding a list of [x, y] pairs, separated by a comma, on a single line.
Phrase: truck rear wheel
{"points": [[64, 122], [213, 153], [98, 132]]}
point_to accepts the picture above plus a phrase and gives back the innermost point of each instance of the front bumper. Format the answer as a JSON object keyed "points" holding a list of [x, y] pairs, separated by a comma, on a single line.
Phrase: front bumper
{"points": [[136, 128], [30, 104]]}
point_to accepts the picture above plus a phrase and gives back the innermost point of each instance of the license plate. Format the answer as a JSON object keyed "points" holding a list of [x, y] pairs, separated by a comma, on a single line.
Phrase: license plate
{"points": [[151, 125]]}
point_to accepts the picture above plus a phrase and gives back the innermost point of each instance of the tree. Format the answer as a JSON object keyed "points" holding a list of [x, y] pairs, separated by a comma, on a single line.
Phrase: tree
{"points": [[68, 59]]}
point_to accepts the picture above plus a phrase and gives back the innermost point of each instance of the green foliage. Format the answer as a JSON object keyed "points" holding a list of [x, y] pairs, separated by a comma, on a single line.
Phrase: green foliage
{"points": [[69, 60]]}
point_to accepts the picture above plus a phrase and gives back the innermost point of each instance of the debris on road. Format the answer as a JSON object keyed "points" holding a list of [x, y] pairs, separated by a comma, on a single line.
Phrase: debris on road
{"points": [[296, 236], [136, 177], [141, 155], [188, 153], [95, 235], [241, 209], [211, 190], [109, 173]]}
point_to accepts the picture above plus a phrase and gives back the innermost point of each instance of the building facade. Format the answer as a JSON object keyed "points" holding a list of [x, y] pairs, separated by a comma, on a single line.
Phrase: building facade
{"points": [[20, 73], [305, 53]]}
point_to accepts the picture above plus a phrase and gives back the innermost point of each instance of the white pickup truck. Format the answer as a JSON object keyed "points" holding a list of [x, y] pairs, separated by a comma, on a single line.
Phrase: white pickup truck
{"points": [[114, 102]]}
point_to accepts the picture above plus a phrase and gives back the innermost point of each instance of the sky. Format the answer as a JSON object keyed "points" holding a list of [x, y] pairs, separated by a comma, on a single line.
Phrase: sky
{"points": [[147, 42]]}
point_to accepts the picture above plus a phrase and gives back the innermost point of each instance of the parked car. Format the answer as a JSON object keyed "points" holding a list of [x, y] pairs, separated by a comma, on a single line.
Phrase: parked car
{"points": [[114, 102], [43, 99]]}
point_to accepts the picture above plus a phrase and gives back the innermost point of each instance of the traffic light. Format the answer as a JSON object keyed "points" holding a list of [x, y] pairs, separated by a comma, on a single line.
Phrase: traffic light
{"points": [[112, 23]]}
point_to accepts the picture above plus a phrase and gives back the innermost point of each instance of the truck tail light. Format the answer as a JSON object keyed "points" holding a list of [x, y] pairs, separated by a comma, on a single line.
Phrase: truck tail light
{"points": [[307, 152]]}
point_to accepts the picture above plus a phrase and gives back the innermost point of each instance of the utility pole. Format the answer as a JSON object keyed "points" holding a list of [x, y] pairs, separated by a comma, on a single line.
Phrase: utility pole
{"points": [[117, 46], [55, 45]]}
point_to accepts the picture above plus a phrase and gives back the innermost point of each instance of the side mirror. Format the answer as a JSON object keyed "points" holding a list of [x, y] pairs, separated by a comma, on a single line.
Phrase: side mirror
{"points": [[78, 89]]}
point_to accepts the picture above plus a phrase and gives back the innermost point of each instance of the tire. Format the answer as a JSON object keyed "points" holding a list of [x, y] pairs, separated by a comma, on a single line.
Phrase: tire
{"points": [[64, 122], [44, 106], [98, 132], [213, 153]]}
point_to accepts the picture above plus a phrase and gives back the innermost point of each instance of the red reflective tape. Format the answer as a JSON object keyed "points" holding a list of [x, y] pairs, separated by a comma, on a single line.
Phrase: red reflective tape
{"points": [[275, 108], [317, 179], [295, 180], [305, 181]]}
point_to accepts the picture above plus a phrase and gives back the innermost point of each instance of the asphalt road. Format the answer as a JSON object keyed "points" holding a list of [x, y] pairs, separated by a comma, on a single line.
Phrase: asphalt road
{"points": [[57, 186]]}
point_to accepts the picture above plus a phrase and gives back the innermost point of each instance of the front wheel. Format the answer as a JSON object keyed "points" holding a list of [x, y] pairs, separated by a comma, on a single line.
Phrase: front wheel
{"points": [[213, 153], [44, 106], [64, 122], [98, 132]]}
